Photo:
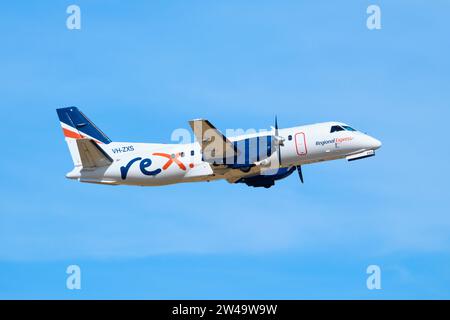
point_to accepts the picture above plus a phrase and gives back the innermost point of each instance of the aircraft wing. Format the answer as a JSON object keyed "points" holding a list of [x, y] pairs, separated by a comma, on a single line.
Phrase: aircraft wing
{"points": [[215, 146], [91, 155], [232, 176]]}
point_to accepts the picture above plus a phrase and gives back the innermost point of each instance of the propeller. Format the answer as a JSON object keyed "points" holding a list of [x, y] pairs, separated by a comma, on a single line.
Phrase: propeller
{"points": [[300, 174], [279, 141]]}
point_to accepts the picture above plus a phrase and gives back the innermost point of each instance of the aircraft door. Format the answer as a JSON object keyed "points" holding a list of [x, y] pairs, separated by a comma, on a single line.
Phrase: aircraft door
{"points": [[300, 144]]}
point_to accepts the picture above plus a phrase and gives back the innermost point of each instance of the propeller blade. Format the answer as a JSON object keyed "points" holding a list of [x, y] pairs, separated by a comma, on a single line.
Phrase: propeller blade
{"points": [[279, 156], [276, 126], [300, 174], [279, 145]]}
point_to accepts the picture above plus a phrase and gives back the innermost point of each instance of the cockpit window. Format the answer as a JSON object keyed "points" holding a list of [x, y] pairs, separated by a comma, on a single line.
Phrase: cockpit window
{"points": [[336, 128], [348, 128]]}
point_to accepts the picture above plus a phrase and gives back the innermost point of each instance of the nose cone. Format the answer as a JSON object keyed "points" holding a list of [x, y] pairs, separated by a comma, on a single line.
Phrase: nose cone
{"points": [[374, 143]]}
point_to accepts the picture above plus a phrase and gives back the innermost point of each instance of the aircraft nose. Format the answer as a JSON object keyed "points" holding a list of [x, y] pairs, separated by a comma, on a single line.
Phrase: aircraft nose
{"points": [[374, 143]]}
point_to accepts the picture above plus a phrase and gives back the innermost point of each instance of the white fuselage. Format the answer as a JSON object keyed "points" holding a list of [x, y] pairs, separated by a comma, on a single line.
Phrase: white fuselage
{"points": [[149, 164]]}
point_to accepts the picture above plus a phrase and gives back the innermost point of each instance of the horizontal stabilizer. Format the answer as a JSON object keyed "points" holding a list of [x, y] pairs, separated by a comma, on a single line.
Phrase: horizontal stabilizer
{"points": [[91, 155]]}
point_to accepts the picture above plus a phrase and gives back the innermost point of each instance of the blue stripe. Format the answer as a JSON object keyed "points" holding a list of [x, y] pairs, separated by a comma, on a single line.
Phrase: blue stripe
{"points": [[257, 148], [235, 154], [247, 151]]}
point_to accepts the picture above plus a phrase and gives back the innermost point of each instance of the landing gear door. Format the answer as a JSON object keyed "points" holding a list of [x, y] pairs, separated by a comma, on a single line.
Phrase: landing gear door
{"points": [[300, 144]]}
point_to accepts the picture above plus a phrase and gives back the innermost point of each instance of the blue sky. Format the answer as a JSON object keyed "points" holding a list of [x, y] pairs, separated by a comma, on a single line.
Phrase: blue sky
{"points": [[141, 69]]}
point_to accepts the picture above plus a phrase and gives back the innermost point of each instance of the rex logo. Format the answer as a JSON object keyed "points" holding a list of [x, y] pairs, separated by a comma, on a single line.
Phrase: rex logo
{"points": [[145, 163]]}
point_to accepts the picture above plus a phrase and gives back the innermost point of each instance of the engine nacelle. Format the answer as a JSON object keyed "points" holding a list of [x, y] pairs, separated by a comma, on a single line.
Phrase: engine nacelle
{"points": [[267, 180]]}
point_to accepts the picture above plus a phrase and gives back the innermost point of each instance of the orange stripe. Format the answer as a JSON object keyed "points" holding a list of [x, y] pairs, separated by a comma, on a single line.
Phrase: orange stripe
{"points": [[180, 164], [165, 155], [71, 134], [168, 163]]}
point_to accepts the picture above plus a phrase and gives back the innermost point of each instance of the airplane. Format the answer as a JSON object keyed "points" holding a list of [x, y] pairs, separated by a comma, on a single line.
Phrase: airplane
{"points": [[256, 159]]}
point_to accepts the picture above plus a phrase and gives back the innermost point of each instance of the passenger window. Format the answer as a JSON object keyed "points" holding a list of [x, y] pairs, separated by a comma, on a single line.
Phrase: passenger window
{"points": [[192, 152], [289, 137], [336, 128], [182, 154]]}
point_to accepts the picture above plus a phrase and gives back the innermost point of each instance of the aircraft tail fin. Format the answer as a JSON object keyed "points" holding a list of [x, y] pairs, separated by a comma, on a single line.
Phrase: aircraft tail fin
{"points": [[75, 126]]}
